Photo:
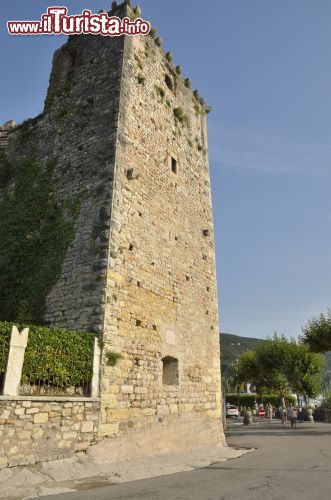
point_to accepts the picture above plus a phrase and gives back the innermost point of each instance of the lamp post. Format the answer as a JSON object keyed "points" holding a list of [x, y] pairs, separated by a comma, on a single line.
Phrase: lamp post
{"points": [[224, 380]]}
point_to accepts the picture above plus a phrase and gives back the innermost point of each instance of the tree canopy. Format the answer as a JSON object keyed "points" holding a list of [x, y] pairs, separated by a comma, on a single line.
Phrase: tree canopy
{"points": [[280, 364], [317, 333]]}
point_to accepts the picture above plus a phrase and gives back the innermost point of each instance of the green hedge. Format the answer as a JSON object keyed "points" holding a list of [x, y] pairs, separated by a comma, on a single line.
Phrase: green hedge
{"points": [[5, 329], [248, 400], [55, 357]]}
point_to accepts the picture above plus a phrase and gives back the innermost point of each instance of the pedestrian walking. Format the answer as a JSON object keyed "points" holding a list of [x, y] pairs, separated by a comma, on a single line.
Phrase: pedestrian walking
{"points": [[290, 413], [293, 415], [282, 411], [300, 415], [255, 410], [270, 409]]}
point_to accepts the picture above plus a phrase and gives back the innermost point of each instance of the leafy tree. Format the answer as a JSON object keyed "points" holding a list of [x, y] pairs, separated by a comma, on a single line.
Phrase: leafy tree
{"points": [[317, 333], [303, 369], [250, 370], [279, 364]]}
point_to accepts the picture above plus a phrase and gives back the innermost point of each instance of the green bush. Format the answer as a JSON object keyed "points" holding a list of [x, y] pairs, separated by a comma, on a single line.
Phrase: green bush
{"points": [[160, 91], [141, 79], [4, 345], [247, 400], [180, 115], [112, 358], [55, 357]]}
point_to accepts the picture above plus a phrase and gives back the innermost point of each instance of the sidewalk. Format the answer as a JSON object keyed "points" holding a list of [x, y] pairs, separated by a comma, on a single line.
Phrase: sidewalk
{"points": [[97, 468]]}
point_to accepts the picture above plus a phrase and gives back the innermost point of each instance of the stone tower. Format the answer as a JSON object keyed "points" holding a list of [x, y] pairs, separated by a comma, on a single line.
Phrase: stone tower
{"points": [[130, 142]]}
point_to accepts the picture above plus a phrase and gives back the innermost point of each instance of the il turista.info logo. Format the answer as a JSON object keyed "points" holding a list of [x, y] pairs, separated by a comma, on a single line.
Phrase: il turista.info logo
{"points": [[56, 21]]}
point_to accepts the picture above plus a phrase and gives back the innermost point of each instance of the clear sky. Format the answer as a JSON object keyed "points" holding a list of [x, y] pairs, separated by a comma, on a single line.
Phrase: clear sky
{"points": [[265, 68]]}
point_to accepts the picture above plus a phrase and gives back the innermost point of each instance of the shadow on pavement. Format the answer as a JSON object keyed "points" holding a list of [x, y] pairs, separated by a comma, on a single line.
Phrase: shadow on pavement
{"points": [[276, 429]]}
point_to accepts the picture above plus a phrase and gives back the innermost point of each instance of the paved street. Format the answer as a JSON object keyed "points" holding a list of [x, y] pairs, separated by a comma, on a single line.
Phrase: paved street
{"points": [[287, 464]]}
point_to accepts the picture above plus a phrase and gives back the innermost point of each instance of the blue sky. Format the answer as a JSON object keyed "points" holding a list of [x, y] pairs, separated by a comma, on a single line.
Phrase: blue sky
{"points": [[265, 68]]}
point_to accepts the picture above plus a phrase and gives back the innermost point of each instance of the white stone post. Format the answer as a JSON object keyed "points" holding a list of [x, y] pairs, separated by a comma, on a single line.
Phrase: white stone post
{"points": [[17, 344], [96, 368]]}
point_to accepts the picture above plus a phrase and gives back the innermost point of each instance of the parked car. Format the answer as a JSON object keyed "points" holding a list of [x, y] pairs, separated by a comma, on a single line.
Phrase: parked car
{"points": [[231, 411]]}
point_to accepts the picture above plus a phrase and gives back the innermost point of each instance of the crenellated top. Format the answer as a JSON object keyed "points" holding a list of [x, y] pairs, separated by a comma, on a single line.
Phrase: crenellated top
{"points": [[125, 9], [176, 70]]}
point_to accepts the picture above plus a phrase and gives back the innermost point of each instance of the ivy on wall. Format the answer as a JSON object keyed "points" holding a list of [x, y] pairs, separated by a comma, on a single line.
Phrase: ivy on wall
{"points": [[35, 233], [6, 172]]}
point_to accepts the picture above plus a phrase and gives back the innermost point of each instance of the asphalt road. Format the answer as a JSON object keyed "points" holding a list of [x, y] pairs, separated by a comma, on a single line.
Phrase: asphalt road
{"points": [[287, 464]]}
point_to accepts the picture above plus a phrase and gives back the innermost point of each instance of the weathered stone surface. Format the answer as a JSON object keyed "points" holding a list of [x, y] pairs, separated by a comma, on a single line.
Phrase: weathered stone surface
{"points": [[87, 426], [40, 418], [42, 435], [161, 283]]}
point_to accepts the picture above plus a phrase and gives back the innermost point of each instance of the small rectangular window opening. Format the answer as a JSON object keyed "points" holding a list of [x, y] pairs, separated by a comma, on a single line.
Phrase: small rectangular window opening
{"points": [[170, 374], [173, 165]]}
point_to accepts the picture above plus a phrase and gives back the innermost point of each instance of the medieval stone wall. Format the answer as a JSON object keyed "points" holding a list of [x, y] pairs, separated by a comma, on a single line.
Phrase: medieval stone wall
{"points": [[77, 131], [41, 428], [161, 284]]}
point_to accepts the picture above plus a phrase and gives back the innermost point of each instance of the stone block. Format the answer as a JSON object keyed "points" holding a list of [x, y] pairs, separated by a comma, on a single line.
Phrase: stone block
{"points": [[127, 389], [24, 434], [19, 411], [67, 412], [173, 408], [53, 414], [78, 417], [5, 414], [148, 412], [109, 429], [31, 411], [64, 444], [70, 435], [87, 426], [40, 418], [162, 410], [82, 445]]}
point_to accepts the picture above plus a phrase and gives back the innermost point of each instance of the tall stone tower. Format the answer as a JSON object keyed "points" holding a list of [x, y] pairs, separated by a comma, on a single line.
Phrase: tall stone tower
{"points": [[130, 142]]}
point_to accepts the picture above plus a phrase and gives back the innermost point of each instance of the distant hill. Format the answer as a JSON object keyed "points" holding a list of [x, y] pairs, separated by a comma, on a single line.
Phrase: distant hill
{"points": [[232, 346]]}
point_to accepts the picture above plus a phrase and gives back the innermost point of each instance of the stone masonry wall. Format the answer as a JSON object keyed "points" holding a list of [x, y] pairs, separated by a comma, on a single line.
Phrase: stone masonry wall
{"points": [[36, 429], [161, 283], [78, 131]]}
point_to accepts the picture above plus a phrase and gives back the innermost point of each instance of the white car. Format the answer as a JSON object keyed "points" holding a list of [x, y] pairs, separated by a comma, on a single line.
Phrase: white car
{"points": [[231, 411]]}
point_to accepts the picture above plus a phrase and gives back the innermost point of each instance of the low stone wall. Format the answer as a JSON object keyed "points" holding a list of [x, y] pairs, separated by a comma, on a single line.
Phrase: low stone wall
{"points": [[33, 429]]}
